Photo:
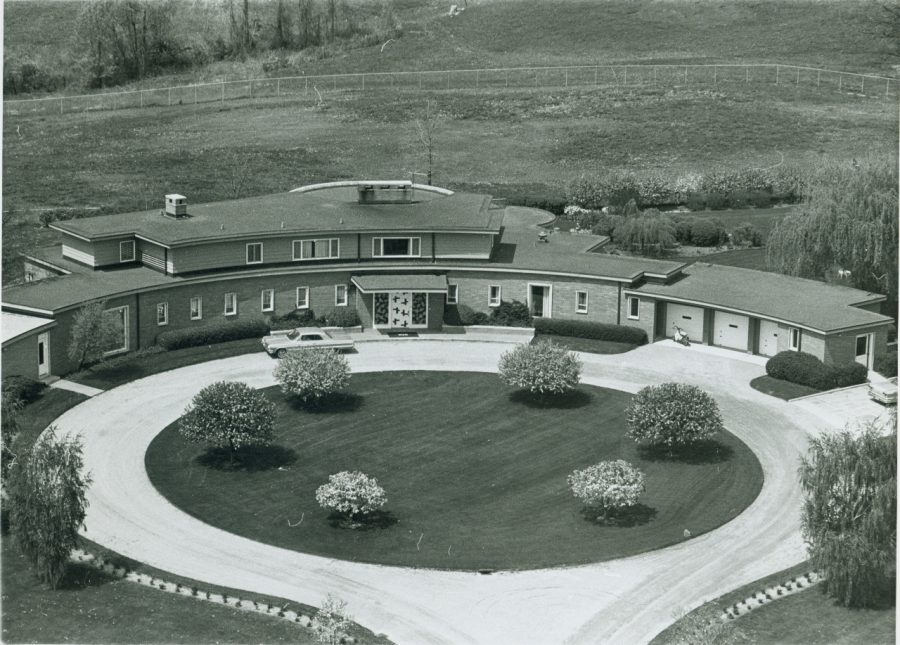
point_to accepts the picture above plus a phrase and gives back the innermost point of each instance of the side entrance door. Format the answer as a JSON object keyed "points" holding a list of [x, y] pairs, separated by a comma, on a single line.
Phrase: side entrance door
{"points": [[539, 300], [864, 350], [43, 347]]}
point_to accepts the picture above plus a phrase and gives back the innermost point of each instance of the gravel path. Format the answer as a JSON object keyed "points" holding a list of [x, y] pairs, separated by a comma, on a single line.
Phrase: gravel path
{"points": [[622, 601]]}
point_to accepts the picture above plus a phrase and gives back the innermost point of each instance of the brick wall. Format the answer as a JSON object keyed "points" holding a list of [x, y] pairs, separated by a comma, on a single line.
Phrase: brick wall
{"points": [[647, 312], [20, 357]]}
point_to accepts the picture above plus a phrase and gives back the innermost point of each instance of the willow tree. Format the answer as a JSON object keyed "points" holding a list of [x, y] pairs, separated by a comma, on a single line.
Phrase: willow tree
{"points": [[848, 220], [850, 514], [649, 233]]}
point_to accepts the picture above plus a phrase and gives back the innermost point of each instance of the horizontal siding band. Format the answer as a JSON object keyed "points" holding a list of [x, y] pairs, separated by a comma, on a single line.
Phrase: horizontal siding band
{"points": [[78, 256]]}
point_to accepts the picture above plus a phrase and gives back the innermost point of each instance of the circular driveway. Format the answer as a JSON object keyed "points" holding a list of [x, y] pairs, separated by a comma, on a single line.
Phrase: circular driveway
{"points": [[622, 601]]}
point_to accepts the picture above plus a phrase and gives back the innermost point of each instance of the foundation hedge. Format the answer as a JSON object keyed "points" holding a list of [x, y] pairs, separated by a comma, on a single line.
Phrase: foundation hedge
{"points": [[218, 332], [596, 331], [806, 369]]}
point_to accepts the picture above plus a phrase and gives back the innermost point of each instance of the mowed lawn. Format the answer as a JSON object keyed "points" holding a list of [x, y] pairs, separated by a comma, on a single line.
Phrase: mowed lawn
{"points": [[475, 476]]}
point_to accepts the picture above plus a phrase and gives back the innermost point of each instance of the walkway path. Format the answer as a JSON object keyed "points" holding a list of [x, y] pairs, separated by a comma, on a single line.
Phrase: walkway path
{"points": [[622, 601], [72, 386]]}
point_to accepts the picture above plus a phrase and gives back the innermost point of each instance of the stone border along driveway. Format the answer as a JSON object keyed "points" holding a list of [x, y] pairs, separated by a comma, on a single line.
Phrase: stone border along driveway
{"points": [[622, 601]]}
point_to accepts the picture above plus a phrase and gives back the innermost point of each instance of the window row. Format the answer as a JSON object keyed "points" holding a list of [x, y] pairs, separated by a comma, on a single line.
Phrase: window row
{"points": [[495, 297], [266, 303]]}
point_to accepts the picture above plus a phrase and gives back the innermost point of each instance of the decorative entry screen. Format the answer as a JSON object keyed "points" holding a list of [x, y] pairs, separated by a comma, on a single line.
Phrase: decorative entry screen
{"points": [[401, 310]]}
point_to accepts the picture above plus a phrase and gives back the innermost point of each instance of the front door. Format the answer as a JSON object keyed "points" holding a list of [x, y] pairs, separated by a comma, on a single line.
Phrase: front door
{"points": [[539, 300], [864, 350], [43, 346]]}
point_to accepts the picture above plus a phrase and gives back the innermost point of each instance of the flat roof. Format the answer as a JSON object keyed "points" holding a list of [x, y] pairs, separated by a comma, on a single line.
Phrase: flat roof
{"points": [[333, 210], [808, 303], [400, 282], [13, 325]]}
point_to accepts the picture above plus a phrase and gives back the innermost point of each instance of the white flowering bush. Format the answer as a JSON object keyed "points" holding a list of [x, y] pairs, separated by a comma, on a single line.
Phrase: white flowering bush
{"points": [[312, 373], [672, 414], [331, 622], [229, 415], [352, 494], [687, 183], [541, 368], [609, 485]]}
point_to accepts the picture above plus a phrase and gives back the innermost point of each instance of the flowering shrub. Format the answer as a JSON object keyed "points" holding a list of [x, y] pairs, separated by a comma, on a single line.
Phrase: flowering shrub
{"points": [[352, 494], [672, 414], [609, 485], [540, 368], [331, 622], [312, 373], [229, 415]]}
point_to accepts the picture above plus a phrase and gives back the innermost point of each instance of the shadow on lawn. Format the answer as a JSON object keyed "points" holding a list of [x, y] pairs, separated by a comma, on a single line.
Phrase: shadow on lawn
{"points": [[339, 402], [248, 458], [376, 520], [567, 401], [80, 576], [636, 515], [702, 452]]}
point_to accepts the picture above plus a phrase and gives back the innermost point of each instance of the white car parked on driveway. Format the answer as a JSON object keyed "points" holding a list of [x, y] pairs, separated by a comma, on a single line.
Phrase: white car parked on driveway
{"points": [[885, 392], [278, 343]]}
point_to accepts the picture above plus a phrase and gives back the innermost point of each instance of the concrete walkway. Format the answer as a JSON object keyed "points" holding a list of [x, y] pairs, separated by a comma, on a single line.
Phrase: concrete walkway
{"points": [[87, 390], [623, 601]]}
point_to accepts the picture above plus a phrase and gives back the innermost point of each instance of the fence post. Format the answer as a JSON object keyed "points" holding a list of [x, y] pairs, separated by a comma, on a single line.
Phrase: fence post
{"points": [[715, 74], [223, 91], [306, 85], [278, 87], [141, 92], [60, 106], [448, 80], [506, 78], [776, 74], [420, 80], [797, 82], [170, 96], [654, 75], [746, 74], [567, 78], [626, 77], [840, 82], [862, 89], [364, 82], [685, 74], [887, 88], [477, 78], [819, 78], [596, 71]]}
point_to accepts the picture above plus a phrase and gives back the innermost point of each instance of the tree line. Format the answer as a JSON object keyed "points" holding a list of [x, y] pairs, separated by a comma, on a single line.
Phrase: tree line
{"points": [[116, 41]]}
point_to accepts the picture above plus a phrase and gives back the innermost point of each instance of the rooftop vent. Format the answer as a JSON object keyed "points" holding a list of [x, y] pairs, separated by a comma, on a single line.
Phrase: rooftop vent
{"points": [[176, 205], [385, 192]]}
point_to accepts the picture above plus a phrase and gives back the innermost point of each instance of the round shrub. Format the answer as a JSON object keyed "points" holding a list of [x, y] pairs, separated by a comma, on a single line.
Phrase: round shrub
{"points": [[541, 368], [312, 373], [747, 235], [801, 368], [706, 232], [351, 494], [22, 388], [510, 314], [672, 414], [609, 485]]}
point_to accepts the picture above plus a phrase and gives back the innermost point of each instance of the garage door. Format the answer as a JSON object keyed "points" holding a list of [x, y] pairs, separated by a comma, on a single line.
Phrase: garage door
{"points": [[730, 330], [690, 319], [768, 338]]}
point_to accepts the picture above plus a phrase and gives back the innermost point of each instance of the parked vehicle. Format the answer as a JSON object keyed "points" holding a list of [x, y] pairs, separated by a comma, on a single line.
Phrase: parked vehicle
{"points": [[884, 392], [278, 343]]}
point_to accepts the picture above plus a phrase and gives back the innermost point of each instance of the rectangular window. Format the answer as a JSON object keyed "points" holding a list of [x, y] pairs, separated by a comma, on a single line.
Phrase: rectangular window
{"points": [[634, 308], [196, 308], [316, 249], [340, 295], [452, 294], [267, 300], [126, 251], [397, 247], [302, 297], [494, 296], [230, 304], [162, 313], [581, 302], [255, 253], [119, 341], [795, 339]]}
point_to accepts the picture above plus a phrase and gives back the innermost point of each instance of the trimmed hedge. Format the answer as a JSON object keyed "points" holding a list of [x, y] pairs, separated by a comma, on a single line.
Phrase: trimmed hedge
{"points": [[217, 332], [296, 318], [594, 330], [463, 315], [340, 317], [806, 369]]}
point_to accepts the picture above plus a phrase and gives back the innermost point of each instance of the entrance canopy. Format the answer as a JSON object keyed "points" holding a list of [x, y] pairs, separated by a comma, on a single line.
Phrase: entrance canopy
{"points": [[418, 283]]}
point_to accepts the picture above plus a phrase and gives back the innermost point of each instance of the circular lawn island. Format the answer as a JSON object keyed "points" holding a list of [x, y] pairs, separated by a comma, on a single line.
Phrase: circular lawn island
{"points": [[474, 472]]}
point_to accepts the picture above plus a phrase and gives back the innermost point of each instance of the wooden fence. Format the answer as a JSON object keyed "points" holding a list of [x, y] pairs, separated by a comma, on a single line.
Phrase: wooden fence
{"points": [[762, 74]]}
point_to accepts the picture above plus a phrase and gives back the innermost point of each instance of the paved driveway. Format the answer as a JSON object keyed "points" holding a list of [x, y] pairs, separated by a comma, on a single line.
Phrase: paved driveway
{"points": [[622, 601]]}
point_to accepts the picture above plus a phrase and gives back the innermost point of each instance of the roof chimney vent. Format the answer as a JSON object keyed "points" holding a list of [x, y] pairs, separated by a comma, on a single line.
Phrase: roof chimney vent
{"points": [[176, 205]]}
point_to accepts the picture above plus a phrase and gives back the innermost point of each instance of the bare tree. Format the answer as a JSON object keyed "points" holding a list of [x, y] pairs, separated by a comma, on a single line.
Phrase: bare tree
{"points": [[426, 126]]}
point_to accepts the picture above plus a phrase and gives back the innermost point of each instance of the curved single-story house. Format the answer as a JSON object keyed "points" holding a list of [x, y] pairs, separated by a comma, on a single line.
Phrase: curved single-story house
{"points": [[400, 254]]}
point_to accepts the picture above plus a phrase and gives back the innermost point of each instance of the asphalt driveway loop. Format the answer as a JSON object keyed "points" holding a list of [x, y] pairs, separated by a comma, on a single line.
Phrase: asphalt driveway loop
{"points": [[621, 601]]}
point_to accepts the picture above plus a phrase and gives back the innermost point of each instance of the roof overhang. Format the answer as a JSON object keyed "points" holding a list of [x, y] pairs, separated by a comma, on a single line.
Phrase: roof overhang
{"points": [[16, 326], [420, 283]]}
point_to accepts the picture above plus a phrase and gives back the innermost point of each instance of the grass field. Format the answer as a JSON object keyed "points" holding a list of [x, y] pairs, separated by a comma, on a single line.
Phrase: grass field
{"points": [[475, 485], [503, 33], [781, 389]]}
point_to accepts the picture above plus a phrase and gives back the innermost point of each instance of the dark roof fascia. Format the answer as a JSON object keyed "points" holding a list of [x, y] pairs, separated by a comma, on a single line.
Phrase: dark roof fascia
{"points": [[757, 314], [323, 232], [23, 309], [60, 229]]}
